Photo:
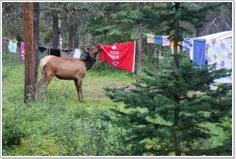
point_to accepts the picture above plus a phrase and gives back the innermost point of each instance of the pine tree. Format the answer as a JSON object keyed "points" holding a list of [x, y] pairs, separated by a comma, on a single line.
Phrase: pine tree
{"points": [[166, 114], [150, 111]]}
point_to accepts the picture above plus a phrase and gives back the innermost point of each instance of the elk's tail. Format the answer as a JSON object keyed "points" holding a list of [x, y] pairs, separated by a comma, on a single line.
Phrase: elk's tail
{"points": [[43, 62]]}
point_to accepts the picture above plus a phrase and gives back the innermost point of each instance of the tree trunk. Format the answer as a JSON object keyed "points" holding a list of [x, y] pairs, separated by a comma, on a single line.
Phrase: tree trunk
{"points": [[55, 41], [71, 36], [36, 45], [139, 63], [76, 39], [60, 36], [29, 50], [76, 42], [156, 57], [177, 108]]}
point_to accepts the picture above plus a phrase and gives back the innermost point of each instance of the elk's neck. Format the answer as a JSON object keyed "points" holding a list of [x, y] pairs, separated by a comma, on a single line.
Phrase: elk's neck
{"points": [[89, 61]]}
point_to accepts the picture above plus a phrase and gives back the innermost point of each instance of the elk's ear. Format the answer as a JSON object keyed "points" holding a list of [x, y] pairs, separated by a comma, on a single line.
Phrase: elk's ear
{"points": [[98, 45]]}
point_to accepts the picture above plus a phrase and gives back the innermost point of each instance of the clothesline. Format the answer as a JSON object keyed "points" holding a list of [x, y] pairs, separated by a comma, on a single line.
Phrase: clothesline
{"points": [[13, 46], [6, 41], [209, 49]]}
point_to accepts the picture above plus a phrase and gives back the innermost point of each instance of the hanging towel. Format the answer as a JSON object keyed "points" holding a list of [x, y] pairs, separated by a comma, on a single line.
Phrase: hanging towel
{"points": [[150, 38], [165, 40], [158, 40], [191, 50], [199, 46], [172, 46], [12, 46], [77, 53], [186, 44], [120, 55], [22, 51], [220, 52]]}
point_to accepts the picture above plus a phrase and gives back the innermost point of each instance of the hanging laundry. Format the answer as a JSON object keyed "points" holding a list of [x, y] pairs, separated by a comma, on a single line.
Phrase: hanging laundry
{"points": [[42, 49], [187, 43], [5, 41], [77, 53], [55, 52], [199, 46], [150, 38], [22, 51], [12, 46], [220, 52], [172, 46], [191, 50], [86, 53], [158, 40], [165, 40], [120, 55]]}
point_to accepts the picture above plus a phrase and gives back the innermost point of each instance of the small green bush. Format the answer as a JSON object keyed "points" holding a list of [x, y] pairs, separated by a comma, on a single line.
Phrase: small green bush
{"points": [[12, 132]]}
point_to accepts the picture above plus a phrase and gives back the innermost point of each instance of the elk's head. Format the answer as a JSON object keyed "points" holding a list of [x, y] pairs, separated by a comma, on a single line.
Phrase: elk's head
{"points": [[94, 51]]}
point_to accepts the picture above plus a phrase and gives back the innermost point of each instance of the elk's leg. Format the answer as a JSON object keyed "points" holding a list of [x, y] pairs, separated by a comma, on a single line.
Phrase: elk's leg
{"points": [[78, 85], [46, 83], [43, 84], [48, 80], [41, 81], [39, 86]]}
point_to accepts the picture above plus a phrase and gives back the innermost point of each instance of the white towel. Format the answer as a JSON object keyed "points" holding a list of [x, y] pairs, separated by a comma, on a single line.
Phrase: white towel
{"points": [[77, 53]]}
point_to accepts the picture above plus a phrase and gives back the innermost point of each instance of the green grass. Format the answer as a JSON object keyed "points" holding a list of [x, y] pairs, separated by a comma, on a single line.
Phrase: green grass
{"points": [[63, 126], [45, 124]]}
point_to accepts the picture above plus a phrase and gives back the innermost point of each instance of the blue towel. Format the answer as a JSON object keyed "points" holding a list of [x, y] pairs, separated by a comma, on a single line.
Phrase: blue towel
{"points": [[158, 39], [199, 46]]}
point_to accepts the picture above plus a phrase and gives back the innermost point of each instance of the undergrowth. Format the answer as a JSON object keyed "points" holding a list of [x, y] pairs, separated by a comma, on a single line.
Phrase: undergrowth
{"points": [[69, 127], [60, 126]]}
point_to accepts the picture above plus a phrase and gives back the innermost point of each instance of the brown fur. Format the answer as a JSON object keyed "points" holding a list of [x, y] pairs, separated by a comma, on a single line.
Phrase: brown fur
{"points": [[67, 69]]}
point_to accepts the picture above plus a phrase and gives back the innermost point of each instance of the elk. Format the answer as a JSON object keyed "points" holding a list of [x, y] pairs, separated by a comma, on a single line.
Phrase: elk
{"points": [[67, 69]]}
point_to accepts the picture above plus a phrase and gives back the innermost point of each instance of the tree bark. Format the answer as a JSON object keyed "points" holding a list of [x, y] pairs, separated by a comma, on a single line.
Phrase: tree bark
{"points": [[76, 39], [156, 58], [71, 36], [36, 45], [56, 31], [29, 51], [60, 35], [177, 108], [139, 63], [76, 42]]}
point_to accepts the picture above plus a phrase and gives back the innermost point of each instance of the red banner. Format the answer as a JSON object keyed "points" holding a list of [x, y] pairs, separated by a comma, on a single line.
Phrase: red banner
{"points": [[120, 55]]}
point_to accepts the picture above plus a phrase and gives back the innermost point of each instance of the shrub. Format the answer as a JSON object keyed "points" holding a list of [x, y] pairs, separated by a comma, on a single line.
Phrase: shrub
{"points": [[12, 132]]}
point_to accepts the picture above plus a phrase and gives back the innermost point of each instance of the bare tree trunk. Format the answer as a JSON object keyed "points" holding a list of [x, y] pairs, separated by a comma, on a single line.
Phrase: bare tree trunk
{"points": [[76, 39], [71, 36], [156, 57], [176, 137], [60, 36], [139, 63], [36, 45], [55, 41], [29, 50], [76, 42]]}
